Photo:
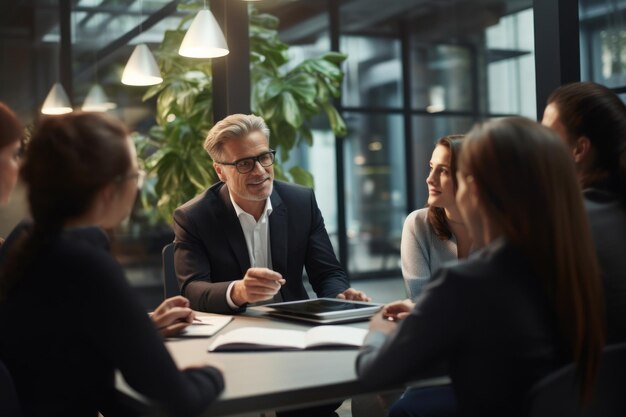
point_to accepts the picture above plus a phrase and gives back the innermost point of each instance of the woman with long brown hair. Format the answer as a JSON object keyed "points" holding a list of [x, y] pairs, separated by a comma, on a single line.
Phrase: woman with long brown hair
{"points": [[591, 120], [436, 234], [528, 302], [61, 286]]}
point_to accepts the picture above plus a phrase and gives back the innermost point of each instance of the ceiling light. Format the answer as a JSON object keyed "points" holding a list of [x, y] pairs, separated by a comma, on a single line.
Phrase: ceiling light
{"points": [[141, 68], [204, 38], [57, 101], [97, 100]]}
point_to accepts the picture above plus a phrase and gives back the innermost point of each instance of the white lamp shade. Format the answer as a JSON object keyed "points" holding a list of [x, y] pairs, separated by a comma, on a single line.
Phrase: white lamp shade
{"points": [[141, 68], [437, 99], [56, 102], [97, 100], [204, 39]]}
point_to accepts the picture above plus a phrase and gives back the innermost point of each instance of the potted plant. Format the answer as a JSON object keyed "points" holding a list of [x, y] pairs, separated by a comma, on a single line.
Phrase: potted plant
{"points": [[287, 99]]}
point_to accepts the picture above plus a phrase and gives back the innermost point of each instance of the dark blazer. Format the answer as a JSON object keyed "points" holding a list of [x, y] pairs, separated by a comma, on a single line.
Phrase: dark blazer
{"points": [[210, 248], [607, 219], [489, 318]]}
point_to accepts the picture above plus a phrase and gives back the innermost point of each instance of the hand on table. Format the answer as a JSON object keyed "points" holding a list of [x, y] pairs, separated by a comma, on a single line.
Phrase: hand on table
{"points": [[352, 294], [398, 310], [380, 323], [259, 284], [172, 316]]}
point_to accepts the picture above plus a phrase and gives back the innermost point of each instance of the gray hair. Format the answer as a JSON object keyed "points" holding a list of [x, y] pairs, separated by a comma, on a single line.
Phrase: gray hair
{"points": [[235, 126]]}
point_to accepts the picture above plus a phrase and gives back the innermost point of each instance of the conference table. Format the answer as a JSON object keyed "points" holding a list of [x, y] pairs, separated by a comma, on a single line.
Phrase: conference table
{"points": [[261, 382]]}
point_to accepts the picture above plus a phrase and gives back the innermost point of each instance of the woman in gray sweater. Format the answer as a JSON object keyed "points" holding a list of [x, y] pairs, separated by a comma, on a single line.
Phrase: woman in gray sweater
{"points": [[434, 235]]}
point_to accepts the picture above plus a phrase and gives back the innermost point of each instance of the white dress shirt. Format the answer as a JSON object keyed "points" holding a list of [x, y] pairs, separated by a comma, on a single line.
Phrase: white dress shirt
{"points": [[257, 235]]}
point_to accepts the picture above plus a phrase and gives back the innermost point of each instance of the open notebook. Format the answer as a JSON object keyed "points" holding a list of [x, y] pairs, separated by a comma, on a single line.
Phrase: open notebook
{"points": [[205, 326], [255, 338]]}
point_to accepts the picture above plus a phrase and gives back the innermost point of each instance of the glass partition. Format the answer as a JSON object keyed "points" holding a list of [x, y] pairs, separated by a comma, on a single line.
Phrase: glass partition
{"points": [[603, 42], [375, 193]]}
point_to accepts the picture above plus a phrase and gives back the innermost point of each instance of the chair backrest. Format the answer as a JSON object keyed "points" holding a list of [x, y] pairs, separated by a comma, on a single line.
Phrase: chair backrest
{"points": [[9, 404], [558, 393], [170, 282]]}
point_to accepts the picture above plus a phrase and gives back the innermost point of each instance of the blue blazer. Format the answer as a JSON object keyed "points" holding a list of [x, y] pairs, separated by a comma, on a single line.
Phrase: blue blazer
{"points": [[210, 248]]}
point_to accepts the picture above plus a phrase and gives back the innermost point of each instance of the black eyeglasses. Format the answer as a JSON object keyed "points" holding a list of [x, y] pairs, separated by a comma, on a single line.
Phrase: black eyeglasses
{"points": [[245, 165]]}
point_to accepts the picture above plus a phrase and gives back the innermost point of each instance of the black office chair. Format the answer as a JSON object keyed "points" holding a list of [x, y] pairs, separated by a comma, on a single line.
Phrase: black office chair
{"points": [[558, 393], [9, 404], [170, 282]]}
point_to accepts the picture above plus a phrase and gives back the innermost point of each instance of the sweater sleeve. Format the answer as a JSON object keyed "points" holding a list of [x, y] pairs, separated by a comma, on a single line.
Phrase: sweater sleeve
{"points": [[414, 253], [125, 335]]}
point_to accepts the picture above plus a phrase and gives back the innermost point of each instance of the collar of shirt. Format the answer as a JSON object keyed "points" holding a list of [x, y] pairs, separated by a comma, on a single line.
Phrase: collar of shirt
{"points": [[266, 211]]}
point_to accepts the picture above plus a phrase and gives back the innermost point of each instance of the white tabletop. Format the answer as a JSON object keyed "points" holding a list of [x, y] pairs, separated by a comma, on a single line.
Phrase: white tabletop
{"points": [[271, 380], [257, 381]]}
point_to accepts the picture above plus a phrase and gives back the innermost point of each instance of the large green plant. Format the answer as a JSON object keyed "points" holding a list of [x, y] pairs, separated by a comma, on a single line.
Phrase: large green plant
{"points": [[286, 98]]}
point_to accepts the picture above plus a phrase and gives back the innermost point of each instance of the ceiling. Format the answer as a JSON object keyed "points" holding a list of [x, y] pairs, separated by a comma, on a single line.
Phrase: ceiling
{"points": [[29, 30]]}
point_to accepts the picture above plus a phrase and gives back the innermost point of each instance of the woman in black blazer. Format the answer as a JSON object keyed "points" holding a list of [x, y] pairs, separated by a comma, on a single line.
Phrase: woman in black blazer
{"points": [[525, 304], [68, 317]]}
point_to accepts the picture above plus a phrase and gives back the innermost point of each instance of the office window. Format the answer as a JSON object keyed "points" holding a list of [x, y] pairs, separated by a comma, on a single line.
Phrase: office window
{"points": [[511, 65], [442, 77], [373, 72], [374, 190], [603, 42]]}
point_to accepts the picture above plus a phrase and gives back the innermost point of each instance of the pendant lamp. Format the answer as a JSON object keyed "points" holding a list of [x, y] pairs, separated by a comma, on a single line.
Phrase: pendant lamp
{"points": [[141, 68], [97, 100], [56, 102], [437, 99], [204, 39]]}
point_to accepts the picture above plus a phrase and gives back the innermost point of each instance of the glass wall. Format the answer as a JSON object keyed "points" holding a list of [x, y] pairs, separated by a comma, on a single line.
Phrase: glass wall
{"points": [[603, 42], [416, 70], [373, 72], [375, 190], [511, 65]]}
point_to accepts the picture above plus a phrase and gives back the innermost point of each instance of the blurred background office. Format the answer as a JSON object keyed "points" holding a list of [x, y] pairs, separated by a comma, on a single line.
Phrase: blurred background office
{"points": [[415, 70]]}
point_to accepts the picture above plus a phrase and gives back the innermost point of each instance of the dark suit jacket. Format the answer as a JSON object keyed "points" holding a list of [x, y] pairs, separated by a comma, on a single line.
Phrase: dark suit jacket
{"points": [[210, 248], [607, 219], [489, 318]]}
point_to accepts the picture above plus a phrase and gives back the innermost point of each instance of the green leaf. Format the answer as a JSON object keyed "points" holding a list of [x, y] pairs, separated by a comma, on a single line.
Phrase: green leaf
{"points": [[336, 58], [288, 96], [274, 88], [291, 111], [336, 121], [303, 86], [302, 176]]}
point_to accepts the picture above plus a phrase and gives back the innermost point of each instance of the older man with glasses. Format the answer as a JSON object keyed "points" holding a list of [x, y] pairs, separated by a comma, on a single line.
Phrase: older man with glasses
{"points": [[247, 238]]}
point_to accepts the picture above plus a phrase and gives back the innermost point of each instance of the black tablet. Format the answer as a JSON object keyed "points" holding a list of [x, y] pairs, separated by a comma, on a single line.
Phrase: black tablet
{"points": [[325, 310]]}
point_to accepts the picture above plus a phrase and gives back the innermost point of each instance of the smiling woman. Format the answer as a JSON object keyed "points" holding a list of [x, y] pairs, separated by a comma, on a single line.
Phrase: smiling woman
{"points": [[435, 234], [527, 302]]}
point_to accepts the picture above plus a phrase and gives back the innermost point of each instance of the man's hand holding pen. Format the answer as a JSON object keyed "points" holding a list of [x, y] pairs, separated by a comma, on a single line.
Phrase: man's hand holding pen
{"points": [[259, 284]]}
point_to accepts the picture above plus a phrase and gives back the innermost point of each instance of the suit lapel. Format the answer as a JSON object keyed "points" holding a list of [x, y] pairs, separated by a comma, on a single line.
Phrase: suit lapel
{"points": [[278, 233], [232, 230]]}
